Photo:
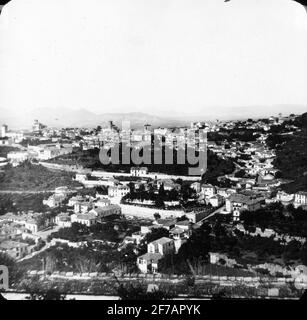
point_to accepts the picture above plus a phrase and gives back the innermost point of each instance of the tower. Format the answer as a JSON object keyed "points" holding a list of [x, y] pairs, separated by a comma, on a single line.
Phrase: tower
{"points": [[147, 127], [111, 125], [4, 130]]}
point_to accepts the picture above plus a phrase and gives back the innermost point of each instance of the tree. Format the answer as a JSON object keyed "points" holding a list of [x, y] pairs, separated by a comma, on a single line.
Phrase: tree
{"points": [[303, 254], [159, 203], [240, 174], [273, 140], [50, 294], [162, 193], [157, 215], [130, 292], [173, 195]]}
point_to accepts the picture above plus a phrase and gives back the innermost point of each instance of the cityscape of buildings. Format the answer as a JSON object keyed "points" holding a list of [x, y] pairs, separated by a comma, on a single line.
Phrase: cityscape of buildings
{"points": [[179, 205], [153, 151]]}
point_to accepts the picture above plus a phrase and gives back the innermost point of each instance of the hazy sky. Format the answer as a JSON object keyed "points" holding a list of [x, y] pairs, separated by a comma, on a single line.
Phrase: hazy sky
{"points": [[162, 57]]}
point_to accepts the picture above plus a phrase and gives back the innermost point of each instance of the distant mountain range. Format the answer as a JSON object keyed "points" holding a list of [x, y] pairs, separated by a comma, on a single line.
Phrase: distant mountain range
{"points": [[65, 117]]}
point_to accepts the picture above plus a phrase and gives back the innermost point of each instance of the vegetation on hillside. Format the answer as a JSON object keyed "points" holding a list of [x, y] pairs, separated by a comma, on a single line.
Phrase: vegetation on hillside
{"points": [[94, 257], [23, 202], [109, 230], [217, 237], [291, 157], [275, 216], [216, 166], [28, 176]]}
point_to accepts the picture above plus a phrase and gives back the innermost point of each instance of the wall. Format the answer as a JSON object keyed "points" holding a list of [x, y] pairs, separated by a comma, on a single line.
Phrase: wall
{"points": [[142, 212]]}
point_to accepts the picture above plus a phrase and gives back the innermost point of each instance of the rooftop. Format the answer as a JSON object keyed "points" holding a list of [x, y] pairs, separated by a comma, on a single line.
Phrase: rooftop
{"points": [[162, 240], [8, 245], [154, 257], [86, 216]]}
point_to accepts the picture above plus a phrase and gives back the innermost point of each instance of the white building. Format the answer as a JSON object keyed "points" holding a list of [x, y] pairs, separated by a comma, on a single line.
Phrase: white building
{"points": [[138, 171], [237, 203], [4, 130], [63, 220], [87, 219], [17, 157], [300, 198], [284, 197], [163, 246], [105, 211], [118, 191], [149, 262], [54, 200], [216, 200], [208, 190]]}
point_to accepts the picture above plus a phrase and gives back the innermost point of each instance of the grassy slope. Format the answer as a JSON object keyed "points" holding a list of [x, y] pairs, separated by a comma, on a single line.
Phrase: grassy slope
{"points": [[34, 177]]}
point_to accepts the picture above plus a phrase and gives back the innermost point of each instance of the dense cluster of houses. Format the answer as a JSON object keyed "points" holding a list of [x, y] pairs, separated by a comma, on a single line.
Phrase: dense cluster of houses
{"points": [[40, 152], [248, 191], [19, 233]]}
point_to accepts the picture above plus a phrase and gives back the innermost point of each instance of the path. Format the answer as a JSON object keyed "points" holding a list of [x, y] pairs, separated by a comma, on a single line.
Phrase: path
{"points": [[211, 215]]}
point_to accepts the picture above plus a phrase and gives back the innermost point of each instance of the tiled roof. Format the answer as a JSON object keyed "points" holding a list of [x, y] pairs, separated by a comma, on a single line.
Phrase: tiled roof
{"points": [[162, 240], [154, 257]]}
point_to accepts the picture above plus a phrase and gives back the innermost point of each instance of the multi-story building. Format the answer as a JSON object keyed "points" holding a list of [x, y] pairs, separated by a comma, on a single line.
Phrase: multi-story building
{"points": [[138, 171], [118, 191], [4, 130], [54, 200], [37, 126], [237, 203], [87, 219], [32, 226], [163, 246], [149, 262], [15, 249], [216, 200], [300, 198], [196, 215], [208, 190]]}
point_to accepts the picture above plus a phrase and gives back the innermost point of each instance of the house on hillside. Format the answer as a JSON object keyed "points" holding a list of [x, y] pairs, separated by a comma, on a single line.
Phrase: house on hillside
{"points": [[106, 211], [149, 262], [87, 219], [300, 198], [15, 249], [208, 190], [216, 200], [237, 203], [118, 191]]}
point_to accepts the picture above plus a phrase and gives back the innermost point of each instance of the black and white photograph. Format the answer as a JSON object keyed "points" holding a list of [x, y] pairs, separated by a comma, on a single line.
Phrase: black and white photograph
{"points": [[153, 150]]}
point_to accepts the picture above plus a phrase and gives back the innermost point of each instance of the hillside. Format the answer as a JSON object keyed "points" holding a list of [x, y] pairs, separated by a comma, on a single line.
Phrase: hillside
{"points": [[216, 166], [35, 178], [66, 117], [291, 157]]}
